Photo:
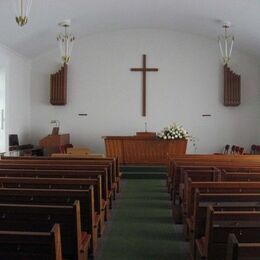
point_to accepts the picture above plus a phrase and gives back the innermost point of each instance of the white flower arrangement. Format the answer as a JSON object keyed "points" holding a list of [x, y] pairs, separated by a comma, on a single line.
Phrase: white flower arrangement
{"points": [[173, 131]]}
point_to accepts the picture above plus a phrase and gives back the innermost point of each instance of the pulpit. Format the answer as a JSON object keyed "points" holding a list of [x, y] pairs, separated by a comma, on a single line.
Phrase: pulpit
{"points": [[51, 143], [143, 148]]}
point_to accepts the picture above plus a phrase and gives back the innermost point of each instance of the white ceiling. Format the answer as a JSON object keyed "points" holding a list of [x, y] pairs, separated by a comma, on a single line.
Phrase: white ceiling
{"points": [[90, 16]]}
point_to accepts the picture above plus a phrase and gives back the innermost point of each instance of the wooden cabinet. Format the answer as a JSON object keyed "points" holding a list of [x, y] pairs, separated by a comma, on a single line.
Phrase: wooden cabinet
{"points": [[142, 149], [51, 143]]}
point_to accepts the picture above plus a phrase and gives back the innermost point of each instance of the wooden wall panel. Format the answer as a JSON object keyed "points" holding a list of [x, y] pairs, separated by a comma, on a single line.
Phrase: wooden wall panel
{"points": [[232, 85], [58, 90]]}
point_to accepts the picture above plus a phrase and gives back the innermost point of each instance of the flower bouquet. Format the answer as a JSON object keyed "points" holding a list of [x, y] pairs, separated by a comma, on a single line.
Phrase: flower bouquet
{"points": [[173, 131]]}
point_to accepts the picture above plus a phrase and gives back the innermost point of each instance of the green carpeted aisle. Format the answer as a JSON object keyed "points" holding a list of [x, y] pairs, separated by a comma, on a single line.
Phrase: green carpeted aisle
{"points": [[141, 226]]}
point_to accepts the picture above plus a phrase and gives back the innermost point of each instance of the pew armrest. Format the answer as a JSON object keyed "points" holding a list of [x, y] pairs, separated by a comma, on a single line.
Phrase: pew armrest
{"points": [[104, 204], [97, 219], [190, 224], [200, 247], [85, 243]]}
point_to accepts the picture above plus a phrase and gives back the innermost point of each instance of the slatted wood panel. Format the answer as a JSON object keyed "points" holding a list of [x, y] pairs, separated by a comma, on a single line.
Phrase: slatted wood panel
{"points": [[58, 91], [143, 150], [232, 87], [114, 146]]}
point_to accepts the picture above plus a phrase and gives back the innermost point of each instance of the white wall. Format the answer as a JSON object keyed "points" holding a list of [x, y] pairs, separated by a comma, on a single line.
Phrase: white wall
{"points": [[189, 84], [17, 114]]}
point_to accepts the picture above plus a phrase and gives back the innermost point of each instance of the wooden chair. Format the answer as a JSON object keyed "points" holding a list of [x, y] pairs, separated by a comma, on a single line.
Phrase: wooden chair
{"points": [[31, 245]]}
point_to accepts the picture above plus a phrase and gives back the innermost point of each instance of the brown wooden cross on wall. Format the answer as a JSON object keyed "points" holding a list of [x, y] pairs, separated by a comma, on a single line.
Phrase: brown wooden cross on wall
{"points": [[144, 69]]}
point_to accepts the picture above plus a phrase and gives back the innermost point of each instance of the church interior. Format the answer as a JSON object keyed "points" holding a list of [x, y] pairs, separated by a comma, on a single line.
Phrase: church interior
{"points": [[129, 130]]}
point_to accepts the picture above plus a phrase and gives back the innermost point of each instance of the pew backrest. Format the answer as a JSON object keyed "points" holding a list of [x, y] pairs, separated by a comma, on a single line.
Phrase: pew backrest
{"points": [[22, 217], [31, 245], [236, 250]]}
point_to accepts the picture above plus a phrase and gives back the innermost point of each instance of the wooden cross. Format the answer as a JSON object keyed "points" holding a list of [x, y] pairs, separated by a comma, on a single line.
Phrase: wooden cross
{"points": [[144, 69]]}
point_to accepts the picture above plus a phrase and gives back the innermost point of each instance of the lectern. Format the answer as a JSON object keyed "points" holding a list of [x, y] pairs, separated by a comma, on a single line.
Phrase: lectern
{"points": [[51, 143]]}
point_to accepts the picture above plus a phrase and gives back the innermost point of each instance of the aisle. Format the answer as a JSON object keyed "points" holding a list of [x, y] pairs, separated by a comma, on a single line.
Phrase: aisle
{"points": [[141, 226]]}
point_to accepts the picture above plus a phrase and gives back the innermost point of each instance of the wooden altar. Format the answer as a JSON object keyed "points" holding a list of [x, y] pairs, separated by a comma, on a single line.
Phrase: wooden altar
{"points": [[143, 149]]}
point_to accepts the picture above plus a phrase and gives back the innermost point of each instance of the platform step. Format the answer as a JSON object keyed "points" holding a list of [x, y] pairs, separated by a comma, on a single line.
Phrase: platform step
{"points": [[143, 172]]}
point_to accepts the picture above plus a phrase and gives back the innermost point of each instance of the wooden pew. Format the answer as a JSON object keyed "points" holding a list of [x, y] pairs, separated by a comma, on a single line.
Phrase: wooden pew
{"points": [[238, 251], [179, 166], [219, 202], [58, 197], [217, 187], [61, 165], [22, 217], [178, 190], [217, 175], [239, 176], [244, 224], [237, 165], [31, 245], [208, 160], [61, 183], [196, 175], [114, 160], [111, 163], [75, 174]]}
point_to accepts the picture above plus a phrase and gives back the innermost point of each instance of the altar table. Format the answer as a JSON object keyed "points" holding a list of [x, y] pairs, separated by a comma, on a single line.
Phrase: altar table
{"points": [[143, 149]]}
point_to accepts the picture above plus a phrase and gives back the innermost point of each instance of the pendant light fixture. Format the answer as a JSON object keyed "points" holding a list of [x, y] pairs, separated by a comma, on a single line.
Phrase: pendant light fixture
{"points": [[226, 42], [66, 41], [22, 10]]}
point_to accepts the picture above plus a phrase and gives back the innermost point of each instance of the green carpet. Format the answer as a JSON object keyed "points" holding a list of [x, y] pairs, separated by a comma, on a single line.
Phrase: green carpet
{"points": [[143, 172], [141, 226]]}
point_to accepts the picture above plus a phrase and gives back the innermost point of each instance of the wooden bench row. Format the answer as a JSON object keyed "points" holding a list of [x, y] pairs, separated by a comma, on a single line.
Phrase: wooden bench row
{"points": [[217, 199], [48, 183], [233, 196], [212, 163]]}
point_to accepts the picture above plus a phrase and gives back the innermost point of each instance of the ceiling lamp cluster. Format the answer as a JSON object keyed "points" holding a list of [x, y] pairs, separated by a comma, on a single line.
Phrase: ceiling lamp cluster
{"points": [[226, 42], [66, 41], [22, 9]]}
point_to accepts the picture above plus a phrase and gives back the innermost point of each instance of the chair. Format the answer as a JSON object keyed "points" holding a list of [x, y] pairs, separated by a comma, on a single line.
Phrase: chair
{"points": [[255, 149], [25, 149], [226, 149], [13, 142]]}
